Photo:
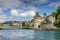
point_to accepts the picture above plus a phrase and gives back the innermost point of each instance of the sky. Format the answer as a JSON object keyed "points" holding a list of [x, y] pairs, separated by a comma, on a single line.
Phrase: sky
{"points": [[24, 10]]}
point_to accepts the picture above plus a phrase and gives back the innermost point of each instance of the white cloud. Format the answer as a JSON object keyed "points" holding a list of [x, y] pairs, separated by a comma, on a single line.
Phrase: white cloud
{"points": [[14, 12], [43, 1], [16, 3], [23, 15], [2, 20], [2, 16], [11, 17], [38, 2], [9, 3], [55, 4], [29, 13]]}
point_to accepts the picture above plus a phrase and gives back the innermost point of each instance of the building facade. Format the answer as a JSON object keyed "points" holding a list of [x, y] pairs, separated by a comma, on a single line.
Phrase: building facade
{"points": [[37, 21]]}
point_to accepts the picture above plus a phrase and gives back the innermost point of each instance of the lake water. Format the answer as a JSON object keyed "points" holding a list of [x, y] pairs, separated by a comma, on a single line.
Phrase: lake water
{"points": [[26, 34]]}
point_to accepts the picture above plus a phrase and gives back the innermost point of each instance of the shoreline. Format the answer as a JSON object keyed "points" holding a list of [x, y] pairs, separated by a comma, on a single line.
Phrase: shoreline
{"points": [[30, 28]]}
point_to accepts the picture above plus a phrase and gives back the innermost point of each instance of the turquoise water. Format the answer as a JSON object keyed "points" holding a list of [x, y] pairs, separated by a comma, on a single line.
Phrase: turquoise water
{"points": [[26, 34]]}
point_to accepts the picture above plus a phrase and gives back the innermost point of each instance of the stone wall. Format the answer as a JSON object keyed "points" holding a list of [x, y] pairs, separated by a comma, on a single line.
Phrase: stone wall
{"points": [[47, 25]]}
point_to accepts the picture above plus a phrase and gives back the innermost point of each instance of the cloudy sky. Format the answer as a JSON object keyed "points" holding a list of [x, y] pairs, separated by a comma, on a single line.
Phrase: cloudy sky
{"points": [[24, 10]]}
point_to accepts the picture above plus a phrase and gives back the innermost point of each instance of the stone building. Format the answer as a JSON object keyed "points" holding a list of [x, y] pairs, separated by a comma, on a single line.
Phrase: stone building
{"points": [[51, 18], [37, 20]]}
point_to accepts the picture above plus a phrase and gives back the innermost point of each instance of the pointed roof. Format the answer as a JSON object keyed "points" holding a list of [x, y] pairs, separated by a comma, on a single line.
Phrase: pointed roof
{"points": [[37, 15]]}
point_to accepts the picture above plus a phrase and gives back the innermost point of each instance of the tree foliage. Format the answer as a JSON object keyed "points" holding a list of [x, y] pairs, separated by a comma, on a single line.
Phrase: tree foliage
{"points": [[1, 24], [57, 23], [57, 15], [27, 24], [58, 9]]}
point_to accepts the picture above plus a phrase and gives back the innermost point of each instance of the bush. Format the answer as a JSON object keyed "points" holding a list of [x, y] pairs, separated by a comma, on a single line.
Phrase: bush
{"points": [[1, 24], [27, 24]]}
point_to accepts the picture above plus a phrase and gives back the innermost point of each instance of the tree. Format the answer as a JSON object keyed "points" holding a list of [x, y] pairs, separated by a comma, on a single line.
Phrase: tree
{"points": [[27, 24], [23, 24], [57, 21], [58, 17], [55, 14], [58, 9]]}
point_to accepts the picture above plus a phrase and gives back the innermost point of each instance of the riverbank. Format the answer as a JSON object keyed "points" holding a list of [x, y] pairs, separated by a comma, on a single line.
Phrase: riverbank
{"points": [[13, 28], [29, 28]]}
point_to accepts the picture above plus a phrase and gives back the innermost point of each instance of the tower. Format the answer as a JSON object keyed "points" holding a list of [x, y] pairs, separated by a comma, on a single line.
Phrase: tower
{"points": [[37, 20]]}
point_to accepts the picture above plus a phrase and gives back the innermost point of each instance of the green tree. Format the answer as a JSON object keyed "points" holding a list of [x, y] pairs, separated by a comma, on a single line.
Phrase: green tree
{"points": [[27, 24], [1, 24], [58, 17], [57, 14], [58, 9], [57, 23]]}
